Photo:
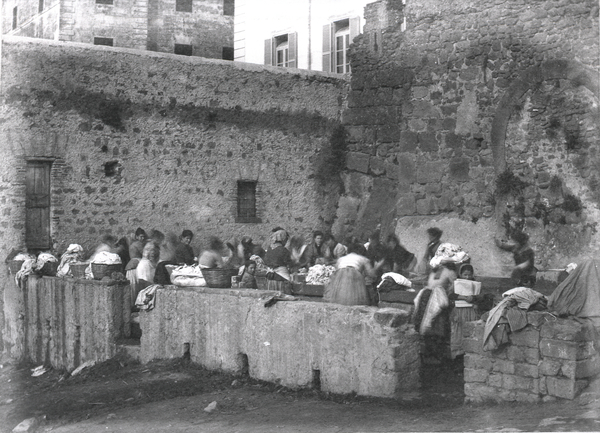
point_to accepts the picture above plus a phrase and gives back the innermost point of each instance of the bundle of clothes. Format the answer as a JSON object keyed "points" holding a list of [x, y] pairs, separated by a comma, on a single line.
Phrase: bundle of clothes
{"points": [[32, 264]]}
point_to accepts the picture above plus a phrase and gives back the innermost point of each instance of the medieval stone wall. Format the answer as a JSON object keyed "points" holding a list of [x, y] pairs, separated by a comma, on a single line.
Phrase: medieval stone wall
{"points": [[437, 112]]}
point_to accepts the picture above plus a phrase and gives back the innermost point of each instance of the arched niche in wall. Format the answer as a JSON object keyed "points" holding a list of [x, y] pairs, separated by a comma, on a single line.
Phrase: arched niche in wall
{"points": [[530, 79]]}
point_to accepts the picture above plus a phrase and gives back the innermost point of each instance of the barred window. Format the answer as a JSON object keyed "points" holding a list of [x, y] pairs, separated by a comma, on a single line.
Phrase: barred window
{"points": [[246, 201]]}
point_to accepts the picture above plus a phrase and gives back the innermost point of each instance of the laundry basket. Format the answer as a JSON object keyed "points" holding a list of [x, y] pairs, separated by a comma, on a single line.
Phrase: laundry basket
{"points": [[219, 278]]}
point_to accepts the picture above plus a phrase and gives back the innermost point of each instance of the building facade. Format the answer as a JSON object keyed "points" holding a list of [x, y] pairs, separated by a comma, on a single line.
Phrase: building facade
{"points": [[189, 27], [304, 34]]}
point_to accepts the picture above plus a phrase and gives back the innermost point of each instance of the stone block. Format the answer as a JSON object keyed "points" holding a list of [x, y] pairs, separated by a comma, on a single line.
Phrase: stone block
{"points": [[477, 393], [568, 330], [526, 370], [388, 133], [420, 92], [408, 141], [511, 382], [459, 169], [406, 205], [504, 366], [523, 354], [357, 161], [392, 171], [561, 387], [475, 375], [376, 166], [587, 367], [426, 206], [425, 110], [472, 345], [475, 361], [431, 172], [406, 164], [495, 380], [428, 142], [528, 337], [549, 367], [559, 349], [453, 141]]}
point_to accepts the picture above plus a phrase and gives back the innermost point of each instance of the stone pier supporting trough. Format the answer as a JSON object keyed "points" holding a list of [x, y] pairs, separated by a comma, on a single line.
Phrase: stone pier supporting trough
{"points": [[336, 348]]}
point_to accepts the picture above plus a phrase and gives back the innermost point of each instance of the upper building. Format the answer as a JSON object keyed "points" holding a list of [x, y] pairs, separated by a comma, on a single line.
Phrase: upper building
{"points": [[190, 27], [306, 34]]}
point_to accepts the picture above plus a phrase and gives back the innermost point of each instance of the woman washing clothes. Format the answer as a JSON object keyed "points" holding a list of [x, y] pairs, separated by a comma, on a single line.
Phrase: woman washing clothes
{"points": [[434, 235], [348, 284], [212, 258], [523, 256], [145, 270], [278, 259]]}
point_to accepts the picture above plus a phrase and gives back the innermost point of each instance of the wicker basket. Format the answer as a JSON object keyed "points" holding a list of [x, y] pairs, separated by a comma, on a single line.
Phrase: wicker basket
{"points": [[49, 269], [219, 278], [78, 269], [15, 266], [101, 270]]}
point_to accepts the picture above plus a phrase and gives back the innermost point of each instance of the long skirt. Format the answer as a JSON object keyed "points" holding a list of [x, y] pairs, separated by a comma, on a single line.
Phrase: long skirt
{"points": [[457, 318], [347, 287]]}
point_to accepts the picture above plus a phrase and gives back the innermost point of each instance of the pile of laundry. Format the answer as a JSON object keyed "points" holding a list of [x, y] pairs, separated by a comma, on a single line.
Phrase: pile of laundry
{"points": [[319, 274]]}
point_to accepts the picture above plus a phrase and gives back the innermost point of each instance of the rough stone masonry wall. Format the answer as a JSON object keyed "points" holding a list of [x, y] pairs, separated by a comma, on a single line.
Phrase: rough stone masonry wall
{"points": [[364, 350], [540, 363], [160, 141], [436, 112]]}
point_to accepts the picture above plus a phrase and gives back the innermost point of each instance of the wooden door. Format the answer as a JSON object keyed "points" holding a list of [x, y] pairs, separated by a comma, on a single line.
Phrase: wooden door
{"points": [[37, 205]]}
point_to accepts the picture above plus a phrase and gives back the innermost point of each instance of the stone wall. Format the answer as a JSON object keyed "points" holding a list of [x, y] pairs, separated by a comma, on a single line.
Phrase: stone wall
{"points": [[438, 111], [339, 349], [553, 359], [65, 322], [160, 141]]}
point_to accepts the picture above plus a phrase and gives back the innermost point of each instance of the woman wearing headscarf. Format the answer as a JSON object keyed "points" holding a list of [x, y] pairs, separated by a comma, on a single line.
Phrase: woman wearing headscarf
{"points": [[278, 257], [347, 285], [434, 235]]}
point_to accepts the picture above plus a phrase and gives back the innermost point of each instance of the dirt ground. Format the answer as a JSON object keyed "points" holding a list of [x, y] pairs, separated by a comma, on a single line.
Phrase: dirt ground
{"points": [[125, 396]]}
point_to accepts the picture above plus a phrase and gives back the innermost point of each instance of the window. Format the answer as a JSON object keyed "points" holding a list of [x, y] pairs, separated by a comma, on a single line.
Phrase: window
{"points": [[342, 41], [14, 21], [37, 204], [104, 2], [337, 38], [40, 6], [281, 51], [183, 49], [103, 41], [246, 202], [227, 53], [183, 5], [229, 7]]}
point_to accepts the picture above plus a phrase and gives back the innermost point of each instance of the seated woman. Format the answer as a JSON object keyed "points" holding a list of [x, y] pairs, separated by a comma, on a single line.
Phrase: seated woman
{"points": [[278, 257], [211, 257], [184, 254], [248, 280], [347, 285]]}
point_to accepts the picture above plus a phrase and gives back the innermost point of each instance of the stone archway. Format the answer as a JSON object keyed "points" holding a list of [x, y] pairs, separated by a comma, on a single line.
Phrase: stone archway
{"points": [[549, 70]]}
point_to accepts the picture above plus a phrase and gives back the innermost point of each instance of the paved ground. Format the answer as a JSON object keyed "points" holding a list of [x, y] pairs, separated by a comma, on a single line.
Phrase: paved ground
{"points": [[117, 396]]}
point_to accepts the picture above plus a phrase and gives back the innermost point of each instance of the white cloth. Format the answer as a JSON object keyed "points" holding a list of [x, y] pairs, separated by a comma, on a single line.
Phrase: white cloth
{"points": [[398, 278], [72, 255], [448, 253], [145, 271], [146, 298]]}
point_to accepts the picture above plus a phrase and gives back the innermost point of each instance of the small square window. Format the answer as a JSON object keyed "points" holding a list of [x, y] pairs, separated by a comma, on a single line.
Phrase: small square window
{"points": [[183, 5], [103, 41], [104, 2], [229, 7], [227, 53], [183, 49], [246, 202]]}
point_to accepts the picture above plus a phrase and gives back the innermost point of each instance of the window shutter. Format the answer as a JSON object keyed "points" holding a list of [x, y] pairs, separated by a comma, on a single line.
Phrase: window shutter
{"points": [[354, 28], [37, 205], [293, 50], [327, 64], [269, 52]]}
